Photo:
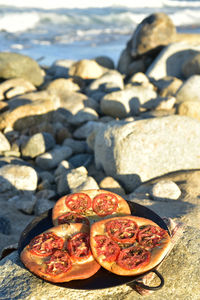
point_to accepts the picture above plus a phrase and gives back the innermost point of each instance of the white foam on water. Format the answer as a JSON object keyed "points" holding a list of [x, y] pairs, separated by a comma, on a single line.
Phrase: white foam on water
{"points": [[54, 29]]}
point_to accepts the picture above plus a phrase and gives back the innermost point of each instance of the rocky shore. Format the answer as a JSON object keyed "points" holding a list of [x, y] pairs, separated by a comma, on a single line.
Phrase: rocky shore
{"points": [[133, 129]]}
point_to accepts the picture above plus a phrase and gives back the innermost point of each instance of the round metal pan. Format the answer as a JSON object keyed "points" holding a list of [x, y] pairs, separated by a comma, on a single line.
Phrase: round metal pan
{"points": [[103, 278]]}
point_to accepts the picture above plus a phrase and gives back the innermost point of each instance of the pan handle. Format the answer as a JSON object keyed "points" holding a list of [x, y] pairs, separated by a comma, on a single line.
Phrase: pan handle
{"points": [[151, 288]]}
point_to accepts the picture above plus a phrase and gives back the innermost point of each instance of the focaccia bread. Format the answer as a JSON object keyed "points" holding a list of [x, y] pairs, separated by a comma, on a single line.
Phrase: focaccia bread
{"points": [[128, 245], [61, 254], [89, 206]]}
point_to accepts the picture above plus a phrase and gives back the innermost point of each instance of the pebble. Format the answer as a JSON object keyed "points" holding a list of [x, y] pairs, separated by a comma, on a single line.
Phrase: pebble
{"points": [[14, 87], [4, 143], [83, 159], [24, 203], [86, 69], [51, 159], [5, 225], [18, 177], [165, 190], [38, 144]]}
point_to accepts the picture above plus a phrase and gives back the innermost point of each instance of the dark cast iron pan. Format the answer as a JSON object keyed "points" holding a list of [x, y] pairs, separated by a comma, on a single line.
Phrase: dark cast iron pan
{"points": [[103, 278]]}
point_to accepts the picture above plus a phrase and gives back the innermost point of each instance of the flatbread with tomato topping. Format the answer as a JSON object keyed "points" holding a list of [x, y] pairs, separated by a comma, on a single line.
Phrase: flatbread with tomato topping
{"points": [[89, 206], [61, 254], [128, 245]]}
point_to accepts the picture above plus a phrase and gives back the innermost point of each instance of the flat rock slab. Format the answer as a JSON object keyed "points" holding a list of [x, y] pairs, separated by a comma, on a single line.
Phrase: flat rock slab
{"points": [[141, 150], [185, 208], [181, 278]]}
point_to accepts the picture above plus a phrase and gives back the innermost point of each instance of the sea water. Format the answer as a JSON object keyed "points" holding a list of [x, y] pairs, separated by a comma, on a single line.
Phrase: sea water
{"points": [[49, 30]]}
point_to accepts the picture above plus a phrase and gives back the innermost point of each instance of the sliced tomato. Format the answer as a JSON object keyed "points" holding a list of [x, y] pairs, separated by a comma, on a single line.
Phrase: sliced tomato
{"points": [[79, 246], [104, 204], [106, 247], [133, 258], [78, 202], [150, 236], [58, 263], [73, 218], [122, 230], [45, 244]]}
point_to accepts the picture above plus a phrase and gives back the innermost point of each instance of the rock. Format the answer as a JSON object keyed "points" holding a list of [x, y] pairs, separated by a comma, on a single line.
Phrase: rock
{"points": [[110, 184], [60, 68], [88, 184], [14, 278], [85, 130], [82, 116], [185, 209], [160, 103], [42, 205], [72, 102], [51, 159], [24, 203], [75, 145], [82, 159], [70, 180], [105, 62], [108, 82], [154, 31], [28, 115], [191, 66], [168, 86], [3, 106], [124, 61], [5, 225], [46, 194], [127, 102], [4, 143], [17, 220], [189, 90], [165, 189], [14, 87], [14, 65], [139, 78], [151, 142], [170, 60], [62, 134], [38, 144], [190, 109], [45, 175], [18, 177], [137, 65], [63, 168], [22, 284], [86, 69], [63, 84]]}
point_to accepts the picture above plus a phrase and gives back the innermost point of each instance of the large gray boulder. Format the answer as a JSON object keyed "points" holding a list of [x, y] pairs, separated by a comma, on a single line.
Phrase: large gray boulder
{"points": [[13, 65], [138, 151], [171, 59], [154, 31]]}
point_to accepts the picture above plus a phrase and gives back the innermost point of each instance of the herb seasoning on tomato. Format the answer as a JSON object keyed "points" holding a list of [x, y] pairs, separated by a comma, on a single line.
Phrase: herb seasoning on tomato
{"points": [[78, 202], [45, 244], [106, 247], [122, 230], [79, 246], [133, 258], [58, 263], [149, 236], [105, 204], [72, 218]]}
